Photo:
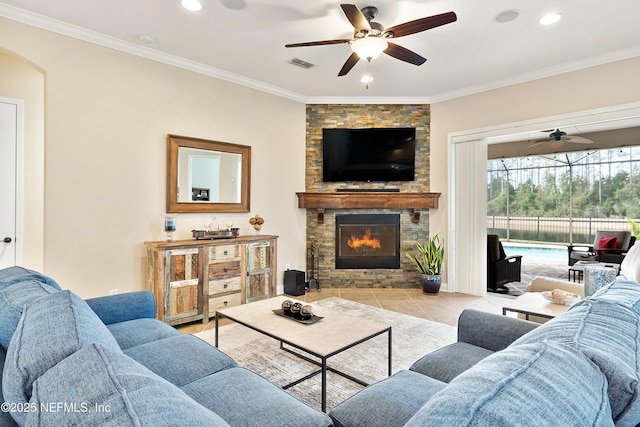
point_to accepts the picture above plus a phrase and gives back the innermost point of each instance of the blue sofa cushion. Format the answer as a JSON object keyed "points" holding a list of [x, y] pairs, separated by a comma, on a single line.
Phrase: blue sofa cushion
{"points": [[5, 417], [13, 299], [243, 398], [128, 334], [15, 274], [608, 334], [51, 328], [523, 386], [105, 387], [450, 361], [181, 359], [387, 403], [623, 292]]}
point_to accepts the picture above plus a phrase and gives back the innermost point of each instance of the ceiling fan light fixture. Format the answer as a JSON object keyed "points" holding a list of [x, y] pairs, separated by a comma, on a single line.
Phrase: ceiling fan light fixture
{"points": [[366, 78], [369, 47], [192, 5], [550, 18]]}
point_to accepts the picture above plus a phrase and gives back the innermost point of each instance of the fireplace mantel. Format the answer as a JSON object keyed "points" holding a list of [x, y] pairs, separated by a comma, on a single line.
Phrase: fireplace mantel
{"points": [[368, 200]]}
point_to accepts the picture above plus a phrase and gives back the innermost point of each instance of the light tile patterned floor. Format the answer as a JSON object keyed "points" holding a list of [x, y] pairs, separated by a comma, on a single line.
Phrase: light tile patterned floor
{"points": [[443, 307]]}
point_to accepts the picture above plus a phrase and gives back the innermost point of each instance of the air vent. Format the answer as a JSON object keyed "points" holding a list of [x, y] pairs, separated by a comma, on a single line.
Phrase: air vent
{"points": [[300, 63]]}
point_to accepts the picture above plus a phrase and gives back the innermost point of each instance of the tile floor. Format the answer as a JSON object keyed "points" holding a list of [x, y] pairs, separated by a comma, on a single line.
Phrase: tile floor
{"points": [[443, 307]]}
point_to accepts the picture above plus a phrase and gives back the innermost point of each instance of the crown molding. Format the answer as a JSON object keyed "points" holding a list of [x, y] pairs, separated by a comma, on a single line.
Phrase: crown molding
{"points": [[56, 26]]}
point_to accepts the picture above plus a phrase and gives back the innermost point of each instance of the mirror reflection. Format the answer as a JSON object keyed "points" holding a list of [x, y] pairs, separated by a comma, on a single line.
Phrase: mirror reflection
{"points": [[207, 176]]}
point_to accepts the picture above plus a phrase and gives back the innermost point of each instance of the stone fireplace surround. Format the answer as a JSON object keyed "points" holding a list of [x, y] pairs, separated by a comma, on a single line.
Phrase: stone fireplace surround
{"points": [[321, 224]]}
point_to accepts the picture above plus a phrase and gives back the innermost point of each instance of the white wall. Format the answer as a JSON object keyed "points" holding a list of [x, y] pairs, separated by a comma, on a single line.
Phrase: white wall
{"points": [[107, 115], [598, 87]]}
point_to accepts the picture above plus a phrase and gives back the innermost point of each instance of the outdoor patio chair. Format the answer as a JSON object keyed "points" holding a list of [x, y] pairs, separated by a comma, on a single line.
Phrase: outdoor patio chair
{"points": [[608, 246], [501, 269]]}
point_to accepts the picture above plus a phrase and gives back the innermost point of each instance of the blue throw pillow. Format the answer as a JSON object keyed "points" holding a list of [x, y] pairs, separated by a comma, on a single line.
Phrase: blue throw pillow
{"points": [[540, 384], [12, 301], [51, 328], [15, 274], [105, 387], [608, 334]]}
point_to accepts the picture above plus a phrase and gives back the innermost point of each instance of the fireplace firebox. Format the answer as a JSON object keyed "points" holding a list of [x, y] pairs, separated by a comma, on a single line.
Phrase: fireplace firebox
{"points": [[367, 241]]}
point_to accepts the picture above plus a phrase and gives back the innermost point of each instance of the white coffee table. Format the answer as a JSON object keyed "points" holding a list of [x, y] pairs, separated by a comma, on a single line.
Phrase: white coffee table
{"points": [[534, 304], [333, 334]]}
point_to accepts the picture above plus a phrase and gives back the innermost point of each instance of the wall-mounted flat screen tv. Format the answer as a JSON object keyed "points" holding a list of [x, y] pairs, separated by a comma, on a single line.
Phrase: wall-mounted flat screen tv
{"points": [[368, 154]]}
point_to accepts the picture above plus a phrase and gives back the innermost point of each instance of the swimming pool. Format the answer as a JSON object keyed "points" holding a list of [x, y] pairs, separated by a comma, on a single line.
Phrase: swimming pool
{"points": [[540, 252]]}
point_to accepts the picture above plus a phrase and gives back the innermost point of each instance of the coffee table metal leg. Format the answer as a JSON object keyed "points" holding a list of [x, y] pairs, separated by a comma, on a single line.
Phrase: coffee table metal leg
{"points": [[389, 351], [217, 321], [324, 384]]}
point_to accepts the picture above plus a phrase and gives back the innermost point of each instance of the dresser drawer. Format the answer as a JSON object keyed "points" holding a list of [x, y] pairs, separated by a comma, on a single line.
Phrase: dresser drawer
{"points": [[224, 285], [218, 303], [223, 252], [224, 269]]}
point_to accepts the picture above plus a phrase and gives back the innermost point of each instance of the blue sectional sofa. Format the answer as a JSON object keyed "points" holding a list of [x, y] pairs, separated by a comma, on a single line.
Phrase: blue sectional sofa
{"points": [[107, 361], [580, 369]]}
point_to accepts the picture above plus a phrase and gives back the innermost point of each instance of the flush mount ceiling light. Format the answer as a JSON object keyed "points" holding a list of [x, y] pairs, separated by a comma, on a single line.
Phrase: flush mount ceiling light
{"points": [[369, 47], [193, 5], [550, 18]]}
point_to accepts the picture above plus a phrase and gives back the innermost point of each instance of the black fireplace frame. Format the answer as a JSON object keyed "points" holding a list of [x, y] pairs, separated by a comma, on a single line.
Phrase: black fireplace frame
{"points": [[369, 261]]}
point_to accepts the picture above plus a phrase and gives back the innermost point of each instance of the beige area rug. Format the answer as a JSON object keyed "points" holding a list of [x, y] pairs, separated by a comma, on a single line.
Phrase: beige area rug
{"points": [[412, 338]]}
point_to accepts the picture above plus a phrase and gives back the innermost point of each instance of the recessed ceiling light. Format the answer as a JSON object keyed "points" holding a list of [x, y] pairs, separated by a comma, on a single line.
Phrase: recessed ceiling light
{"points": [[193, 5], [550, 18], [507, 16]]}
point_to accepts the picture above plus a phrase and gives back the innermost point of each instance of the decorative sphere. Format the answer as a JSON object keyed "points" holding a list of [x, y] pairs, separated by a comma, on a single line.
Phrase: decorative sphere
{"points": [[286, 307], [306, 312], [295, 309]]}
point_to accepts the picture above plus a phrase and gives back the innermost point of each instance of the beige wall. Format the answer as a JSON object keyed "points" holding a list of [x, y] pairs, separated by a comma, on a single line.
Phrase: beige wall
{"points": [[107, 115], [598, 87]]}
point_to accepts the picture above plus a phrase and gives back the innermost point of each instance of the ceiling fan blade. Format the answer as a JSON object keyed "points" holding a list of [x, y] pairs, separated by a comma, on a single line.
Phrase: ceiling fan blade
{"points": [[351, 61], [404, 54], [319, 43], [537, 143], [356, 17], [578, 140], [422, 24]]}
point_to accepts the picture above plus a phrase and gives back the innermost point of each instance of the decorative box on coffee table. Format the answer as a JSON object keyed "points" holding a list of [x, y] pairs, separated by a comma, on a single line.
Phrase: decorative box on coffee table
{"points": [[192, 279]]}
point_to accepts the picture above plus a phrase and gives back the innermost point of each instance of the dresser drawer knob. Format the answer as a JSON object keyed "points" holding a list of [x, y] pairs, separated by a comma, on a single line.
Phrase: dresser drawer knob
{"points": [[225, 252]]}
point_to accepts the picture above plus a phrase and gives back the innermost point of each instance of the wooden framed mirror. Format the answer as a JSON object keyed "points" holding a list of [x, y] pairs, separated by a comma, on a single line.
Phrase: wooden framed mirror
{"points": [[207, 176]]}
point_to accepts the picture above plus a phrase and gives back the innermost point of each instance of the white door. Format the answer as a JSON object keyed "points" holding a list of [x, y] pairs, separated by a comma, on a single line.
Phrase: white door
{"points": [[9, 131]]}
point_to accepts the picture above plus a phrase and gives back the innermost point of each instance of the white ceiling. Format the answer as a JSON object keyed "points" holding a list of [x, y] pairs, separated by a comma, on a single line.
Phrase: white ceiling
{"points": [[246, 45]]}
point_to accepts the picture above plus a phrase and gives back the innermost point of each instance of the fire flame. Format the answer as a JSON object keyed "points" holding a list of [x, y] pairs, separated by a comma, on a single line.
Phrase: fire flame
{"points": [[356, 242]]}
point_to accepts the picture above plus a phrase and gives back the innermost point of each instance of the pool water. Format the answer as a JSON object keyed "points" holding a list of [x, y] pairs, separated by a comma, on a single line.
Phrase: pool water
{"points": [[550, 253]]}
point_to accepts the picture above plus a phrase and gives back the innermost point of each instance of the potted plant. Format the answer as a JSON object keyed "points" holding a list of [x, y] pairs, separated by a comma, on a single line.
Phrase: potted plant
{"points": [[429, 261]]}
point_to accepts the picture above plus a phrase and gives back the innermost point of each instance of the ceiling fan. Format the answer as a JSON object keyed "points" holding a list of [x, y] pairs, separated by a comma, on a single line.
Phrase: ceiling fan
{"points": [[370, 38], [557, 139]]}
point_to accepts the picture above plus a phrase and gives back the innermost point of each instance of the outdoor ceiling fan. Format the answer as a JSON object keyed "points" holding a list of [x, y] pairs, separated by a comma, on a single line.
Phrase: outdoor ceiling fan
{"points": [[370, 39], [557, 139]]}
